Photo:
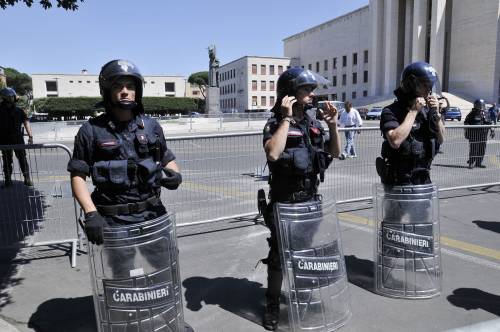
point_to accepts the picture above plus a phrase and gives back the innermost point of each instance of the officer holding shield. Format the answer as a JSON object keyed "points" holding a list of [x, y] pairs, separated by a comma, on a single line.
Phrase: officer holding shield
{"points": [[407, 227], [132, 237], [298, 155]]}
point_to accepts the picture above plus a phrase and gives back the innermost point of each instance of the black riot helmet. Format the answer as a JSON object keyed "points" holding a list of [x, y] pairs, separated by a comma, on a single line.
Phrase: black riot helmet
{"points": [[114, 70], [8, 95], [294, 78], [479, 105], [419, 76]]}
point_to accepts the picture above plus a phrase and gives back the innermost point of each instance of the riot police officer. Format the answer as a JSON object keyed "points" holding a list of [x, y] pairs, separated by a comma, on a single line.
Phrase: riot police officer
{"points": [[407, 224], [412, 128], [297, 153], [477, 136], [125, 154], [11, 119]]}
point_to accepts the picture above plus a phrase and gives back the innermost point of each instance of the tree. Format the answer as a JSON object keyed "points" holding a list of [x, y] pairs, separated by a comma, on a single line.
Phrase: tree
{"points": [[200, 79], [46, 4], [20, 82]]}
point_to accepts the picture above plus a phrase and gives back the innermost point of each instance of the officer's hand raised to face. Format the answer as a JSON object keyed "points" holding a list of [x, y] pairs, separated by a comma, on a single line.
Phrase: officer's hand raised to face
{"points": [[330, 114], [433, 102], [94, 223], [287, 106], [418, 104]]}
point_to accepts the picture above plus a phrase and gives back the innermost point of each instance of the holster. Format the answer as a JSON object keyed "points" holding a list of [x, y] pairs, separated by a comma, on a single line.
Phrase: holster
{"points": [[261, 201], [382, 170]]}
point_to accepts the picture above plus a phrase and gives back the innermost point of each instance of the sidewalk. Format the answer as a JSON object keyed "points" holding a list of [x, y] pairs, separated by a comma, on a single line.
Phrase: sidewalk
{"points": [[223, 291]]}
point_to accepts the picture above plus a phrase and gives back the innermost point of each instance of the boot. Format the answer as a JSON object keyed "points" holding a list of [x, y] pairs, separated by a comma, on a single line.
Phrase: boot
{"points": [[7, 181], [27, 181], [271, 316]]}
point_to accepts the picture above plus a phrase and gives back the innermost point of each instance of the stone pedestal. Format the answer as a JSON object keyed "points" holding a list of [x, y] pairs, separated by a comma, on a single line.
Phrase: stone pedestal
{"points": [[212, 104]]}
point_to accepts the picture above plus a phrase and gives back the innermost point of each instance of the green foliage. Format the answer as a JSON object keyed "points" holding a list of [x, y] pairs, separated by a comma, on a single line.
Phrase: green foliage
{"points": [[201, 79], [86, 106], [46, 4], [20, 82]]}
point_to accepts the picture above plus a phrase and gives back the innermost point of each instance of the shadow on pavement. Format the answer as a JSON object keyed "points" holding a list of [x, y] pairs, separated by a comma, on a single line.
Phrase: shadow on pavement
{"points": [[237, 295], [493, 226], [360, 272], [473, 298], [451, 166], [62, 315], [21, 213]]}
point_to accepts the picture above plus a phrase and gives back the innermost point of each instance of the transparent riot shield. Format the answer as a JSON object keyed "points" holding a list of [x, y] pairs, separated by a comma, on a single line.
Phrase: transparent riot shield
{"points": [[313, 265], [407, 247], [135, 278]]}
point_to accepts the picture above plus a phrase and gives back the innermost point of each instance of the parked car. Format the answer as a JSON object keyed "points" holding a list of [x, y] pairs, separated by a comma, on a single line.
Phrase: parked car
{"points": [[453, 113], [374, 113], [194, 114]]}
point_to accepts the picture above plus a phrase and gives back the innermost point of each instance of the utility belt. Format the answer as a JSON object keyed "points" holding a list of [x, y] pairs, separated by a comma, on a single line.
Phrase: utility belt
{"points": [[284, 189], [129, 208], [403, 171]]}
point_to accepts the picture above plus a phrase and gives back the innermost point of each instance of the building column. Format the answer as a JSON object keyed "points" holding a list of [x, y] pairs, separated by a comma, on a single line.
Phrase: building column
{"points": [[437, 37], [408, 31], [376, 68], [391, 15], [419, 30]]}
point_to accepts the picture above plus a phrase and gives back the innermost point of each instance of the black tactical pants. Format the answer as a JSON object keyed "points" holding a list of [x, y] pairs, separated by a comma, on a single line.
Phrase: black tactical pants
{"points": [[274, 272], [122, 261], [8, 161], [476, 152]]}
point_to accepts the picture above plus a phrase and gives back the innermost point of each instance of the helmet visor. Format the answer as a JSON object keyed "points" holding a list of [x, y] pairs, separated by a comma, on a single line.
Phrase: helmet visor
{"points": [[308, 77]]}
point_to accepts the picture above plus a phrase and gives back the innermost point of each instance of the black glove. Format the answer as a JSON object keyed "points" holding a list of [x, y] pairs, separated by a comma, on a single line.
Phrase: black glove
{"points": [[94, 223], [172, 179]]}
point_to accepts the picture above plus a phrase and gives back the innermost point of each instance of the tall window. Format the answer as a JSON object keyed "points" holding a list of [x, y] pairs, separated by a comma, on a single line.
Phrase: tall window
{"points": [[334, 96], [334, 63], [317, 66], [334, 80], [343, 96], [271, 69], [262, 85], [271, 86], [310, 66], [169, 86], [254, 100], [354, 59], [254, 85], [365, 93], [263, 69], [280, 70], [365, 76], [254, 69], [344, 60], [325, 65], [263, 100], [271, 101], [366, 56], [353, 95], [354, 78], [344, 79]]}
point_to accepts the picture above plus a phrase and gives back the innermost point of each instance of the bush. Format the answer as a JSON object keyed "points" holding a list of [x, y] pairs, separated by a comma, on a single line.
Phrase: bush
{"points": [[81, 107]]}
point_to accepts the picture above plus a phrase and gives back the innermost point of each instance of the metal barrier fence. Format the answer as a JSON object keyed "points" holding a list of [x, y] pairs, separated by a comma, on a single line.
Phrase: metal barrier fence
{"points": [[42, 214], [222, 173]]}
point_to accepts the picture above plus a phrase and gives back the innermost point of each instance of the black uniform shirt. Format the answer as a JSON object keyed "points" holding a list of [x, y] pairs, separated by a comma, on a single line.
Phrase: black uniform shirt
{"points": [[298, 134], [11, 120], [99, 132]]}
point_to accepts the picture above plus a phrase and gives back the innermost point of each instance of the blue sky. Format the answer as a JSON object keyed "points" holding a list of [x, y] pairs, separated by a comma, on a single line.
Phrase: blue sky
{"points": [[160, 36]]}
